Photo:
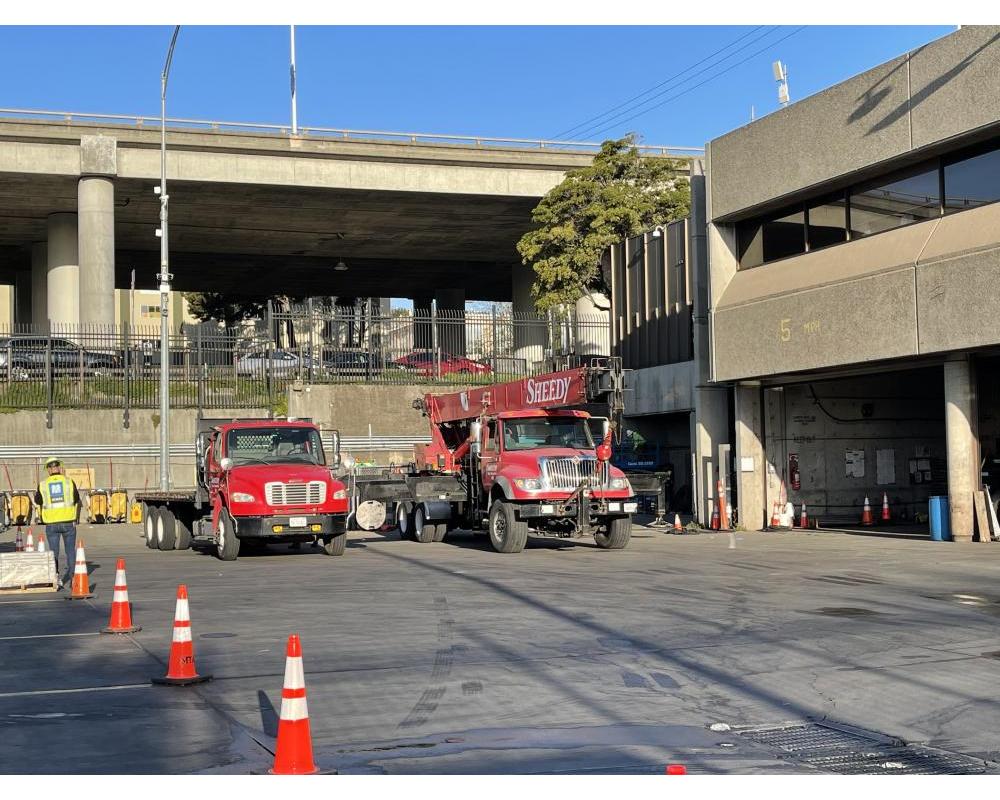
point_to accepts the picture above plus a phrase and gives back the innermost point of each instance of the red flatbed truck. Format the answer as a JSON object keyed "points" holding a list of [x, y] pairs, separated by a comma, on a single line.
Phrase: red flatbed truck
{"points": [[515, 458], [259, 481]]}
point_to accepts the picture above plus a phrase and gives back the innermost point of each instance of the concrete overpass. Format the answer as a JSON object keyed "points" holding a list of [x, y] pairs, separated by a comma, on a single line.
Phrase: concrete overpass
{"points": [[257, 211]]}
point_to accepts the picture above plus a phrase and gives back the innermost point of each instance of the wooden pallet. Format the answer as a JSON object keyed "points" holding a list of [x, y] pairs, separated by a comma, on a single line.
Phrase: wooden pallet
{"points": [[33, 589]]}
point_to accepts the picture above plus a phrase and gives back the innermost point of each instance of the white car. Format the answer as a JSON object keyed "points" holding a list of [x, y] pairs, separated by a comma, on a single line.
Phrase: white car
{"points": [[279, 363]]}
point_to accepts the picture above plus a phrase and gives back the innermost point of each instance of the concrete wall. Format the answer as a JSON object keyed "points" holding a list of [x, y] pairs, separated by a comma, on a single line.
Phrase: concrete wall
{"points": [[911, 102], [902, 412], [73, 428]]}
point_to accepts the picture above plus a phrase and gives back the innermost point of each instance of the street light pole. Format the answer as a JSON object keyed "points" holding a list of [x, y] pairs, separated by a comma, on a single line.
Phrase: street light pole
{"points": [[164, 278], [295, 115]]}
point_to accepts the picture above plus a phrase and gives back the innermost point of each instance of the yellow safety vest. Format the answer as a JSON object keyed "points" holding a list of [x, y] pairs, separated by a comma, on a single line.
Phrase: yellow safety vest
{"points": [[57, 499]]}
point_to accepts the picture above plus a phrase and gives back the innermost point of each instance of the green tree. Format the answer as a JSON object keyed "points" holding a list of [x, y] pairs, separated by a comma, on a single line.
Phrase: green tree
{"points": [[621, 194], [225, 308]]}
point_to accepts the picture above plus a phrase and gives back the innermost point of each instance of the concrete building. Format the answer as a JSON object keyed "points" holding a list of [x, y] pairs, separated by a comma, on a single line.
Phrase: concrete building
{"points": [[854, 242]]}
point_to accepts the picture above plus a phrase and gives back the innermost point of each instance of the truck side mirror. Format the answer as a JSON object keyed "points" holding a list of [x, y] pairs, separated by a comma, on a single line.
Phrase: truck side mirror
{"points": [[605, 427], [476, 437]]}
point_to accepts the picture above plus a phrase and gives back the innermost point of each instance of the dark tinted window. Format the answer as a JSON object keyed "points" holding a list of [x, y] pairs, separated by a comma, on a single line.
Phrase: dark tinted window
{"points": [[972, 182], [827, 223], [892, 204], [777, 237]]}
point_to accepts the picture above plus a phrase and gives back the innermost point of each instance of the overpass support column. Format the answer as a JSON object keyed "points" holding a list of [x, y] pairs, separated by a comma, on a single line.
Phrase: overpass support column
{"points": [[63, 281], [751, 462], [530, 328], [39, 284], [451, 320], [423, 336], [97, 250], [96, 206], [22, 297], [962, 435]]}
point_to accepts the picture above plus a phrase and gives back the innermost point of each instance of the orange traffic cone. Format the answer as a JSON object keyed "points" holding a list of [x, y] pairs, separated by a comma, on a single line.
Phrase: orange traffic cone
{"points": [[121, 610], [180, 670], [40, 547], [676, 769], [293, 755], [19, 542], [714, 524], [775, 517], [30, 546], [885, 508], [866, 514], [81, 581], [803, 517], [677, 523]]}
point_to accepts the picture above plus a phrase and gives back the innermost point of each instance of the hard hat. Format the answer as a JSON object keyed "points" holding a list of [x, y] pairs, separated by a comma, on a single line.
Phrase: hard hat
{"points": [[52, 460]]}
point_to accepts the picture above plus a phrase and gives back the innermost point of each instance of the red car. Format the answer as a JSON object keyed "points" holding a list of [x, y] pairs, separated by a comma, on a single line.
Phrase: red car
{"points": [[422, 363]]}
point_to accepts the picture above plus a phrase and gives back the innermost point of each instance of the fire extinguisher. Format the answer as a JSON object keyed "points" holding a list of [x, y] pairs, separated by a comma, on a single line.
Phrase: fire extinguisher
{"points": [[794, 477]]}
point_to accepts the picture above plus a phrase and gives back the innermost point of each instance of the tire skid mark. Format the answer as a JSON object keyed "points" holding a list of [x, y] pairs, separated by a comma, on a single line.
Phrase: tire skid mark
{"points": [[428, 701]]}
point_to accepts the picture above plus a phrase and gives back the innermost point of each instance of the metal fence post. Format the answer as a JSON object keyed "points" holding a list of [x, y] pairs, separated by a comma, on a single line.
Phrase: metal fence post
{"points": [[200, 386], [493, 334], [126, 377], [312, 349], [434, 341], [49, 388]]}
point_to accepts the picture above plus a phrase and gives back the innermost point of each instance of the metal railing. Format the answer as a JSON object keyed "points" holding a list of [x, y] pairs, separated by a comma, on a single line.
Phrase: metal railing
{"points": [[211, 367], [348, 134]]}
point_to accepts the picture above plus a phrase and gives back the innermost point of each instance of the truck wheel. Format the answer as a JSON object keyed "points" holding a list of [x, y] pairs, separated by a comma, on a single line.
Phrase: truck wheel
{"points": [[507, 534], [404, 521], [422, 529], [618, 533], [165, 537], [227, 546], [440, 531], [335, 545], [182, 533], [149, 525]]}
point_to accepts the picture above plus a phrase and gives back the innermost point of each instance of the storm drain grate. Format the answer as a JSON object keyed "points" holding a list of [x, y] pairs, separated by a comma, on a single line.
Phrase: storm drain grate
{"points": [[833, 749]]}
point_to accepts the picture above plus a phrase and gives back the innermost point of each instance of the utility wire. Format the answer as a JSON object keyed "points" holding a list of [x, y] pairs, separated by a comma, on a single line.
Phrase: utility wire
{"points": [[586, 123], [702, 83]]}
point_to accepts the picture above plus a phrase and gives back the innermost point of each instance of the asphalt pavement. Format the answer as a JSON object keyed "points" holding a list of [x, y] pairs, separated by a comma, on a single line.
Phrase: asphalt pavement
{"points": [[450, 658]]}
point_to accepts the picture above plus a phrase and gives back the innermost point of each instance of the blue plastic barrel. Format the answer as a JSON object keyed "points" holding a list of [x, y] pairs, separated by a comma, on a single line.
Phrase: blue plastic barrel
{"points": [[940, 519]]}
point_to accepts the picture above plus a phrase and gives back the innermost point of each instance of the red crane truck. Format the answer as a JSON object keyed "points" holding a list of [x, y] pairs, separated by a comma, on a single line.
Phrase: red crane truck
{"points": [[515, 457], [259, 481]]}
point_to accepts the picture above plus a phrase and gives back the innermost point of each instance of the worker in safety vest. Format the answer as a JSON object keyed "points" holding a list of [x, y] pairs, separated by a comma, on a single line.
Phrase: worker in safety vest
{"points": [[58, 500]]}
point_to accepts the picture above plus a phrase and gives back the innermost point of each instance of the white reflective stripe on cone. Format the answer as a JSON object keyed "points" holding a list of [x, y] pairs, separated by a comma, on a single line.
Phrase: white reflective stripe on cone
{"points": [[294, 677], [120, 577], [293, 709], [181, 613], [81, 568], [182, 633], [120, 596]]}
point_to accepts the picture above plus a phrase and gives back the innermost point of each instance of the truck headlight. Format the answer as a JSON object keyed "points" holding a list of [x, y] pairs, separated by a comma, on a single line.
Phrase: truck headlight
{"points": [[528, 484], [340, 494], [619, 483], [243, 497]]}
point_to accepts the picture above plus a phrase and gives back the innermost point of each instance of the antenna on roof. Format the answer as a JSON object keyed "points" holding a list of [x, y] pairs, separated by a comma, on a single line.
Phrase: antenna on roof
{"points": [[781, 76]]}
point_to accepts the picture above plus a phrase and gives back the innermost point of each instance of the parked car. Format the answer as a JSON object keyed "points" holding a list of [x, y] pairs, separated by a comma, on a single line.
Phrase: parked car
{"points": [[27, 356], [279, 363], [352, 362], [422, 363]]}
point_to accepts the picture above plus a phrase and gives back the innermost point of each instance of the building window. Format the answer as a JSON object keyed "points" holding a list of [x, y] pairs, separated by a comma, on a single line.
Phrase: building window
{"points": [[973, 181], [149, 311], [774, 238], [827, 223], [907, 198]]}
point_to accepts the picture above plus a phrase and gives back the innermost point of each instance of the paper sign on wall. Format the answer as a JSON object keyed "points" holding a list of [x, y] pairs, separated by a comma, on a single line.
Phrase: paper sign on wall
{"points": [[885, 467], [855, 463]]}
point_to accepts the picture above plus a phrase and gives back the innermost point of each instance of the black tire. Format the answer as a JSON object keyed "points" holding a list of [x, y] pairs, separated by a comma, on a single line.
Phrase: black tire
{"points": [[404, 521], [617, 535], [182, 531], [335, 545], [422, 529], [507, 533], [440, 531], [227, 546], [165, 533], [149, 526]]}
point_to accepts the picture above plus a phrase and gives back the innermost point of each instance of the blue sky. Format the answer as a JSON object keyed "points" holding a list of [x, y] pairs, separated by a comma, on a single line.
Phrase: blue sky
{"points": [[532, 82]]}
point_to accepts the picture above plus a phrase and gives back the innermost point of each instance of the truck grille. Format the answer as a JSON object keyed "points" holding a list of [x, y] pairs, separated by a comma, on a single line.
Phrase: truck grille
{"points": [[568, 473], [295, 494]]}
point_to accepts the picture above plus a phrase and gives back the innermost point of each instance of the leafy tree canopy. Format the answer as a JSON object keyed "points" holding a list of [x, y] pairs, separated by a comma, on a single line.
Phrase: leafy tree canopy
{"points": [[621, 194], [225, 308]]}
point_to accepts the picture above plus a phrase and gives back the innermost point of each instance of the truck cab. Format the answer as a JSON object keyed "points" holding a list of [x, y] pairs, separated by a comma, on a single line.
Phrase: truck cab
{"points": [[269, 481]]}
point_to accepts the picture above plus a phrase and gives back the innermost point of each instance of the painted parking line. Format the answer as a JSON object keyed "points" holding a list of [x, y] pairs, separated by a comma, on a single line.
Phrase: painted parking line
{"points": [[20, 602], [77, 691], [48, 636]]}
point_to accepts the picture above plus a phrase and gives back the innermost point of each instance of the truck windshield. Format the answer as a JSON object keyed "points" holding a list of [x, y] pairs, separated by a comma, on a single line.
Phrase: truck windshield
{"points": [[275, 446], [531, 432]]}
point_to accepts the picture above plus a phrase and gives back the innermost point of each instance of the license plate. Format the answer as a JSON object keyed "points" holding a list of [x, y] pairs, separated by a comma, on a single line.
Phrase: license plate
{"points": [[631, 507], [297, 522]]}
